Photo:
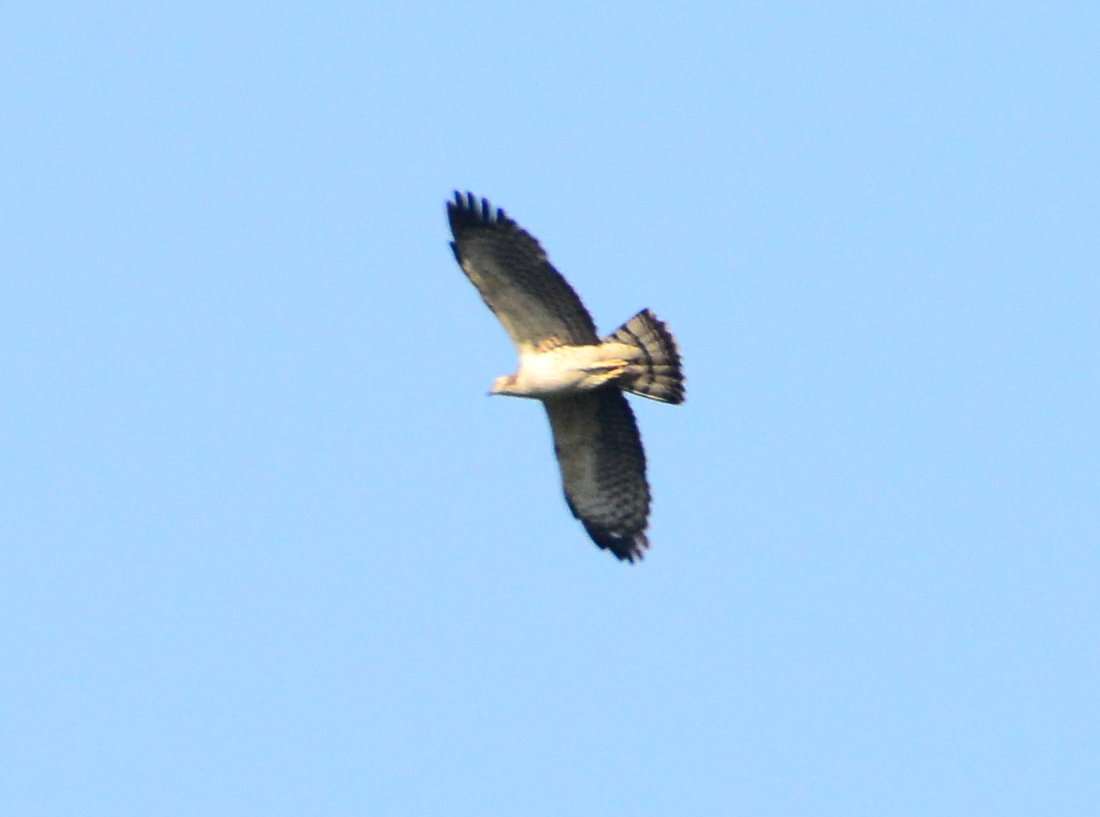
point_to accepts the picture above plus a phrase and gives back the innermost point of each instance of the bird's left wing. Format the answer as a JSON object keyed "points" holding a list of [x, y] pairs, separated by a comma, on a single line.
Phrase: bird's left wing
{"points": [[531, 299], [603, 468]]}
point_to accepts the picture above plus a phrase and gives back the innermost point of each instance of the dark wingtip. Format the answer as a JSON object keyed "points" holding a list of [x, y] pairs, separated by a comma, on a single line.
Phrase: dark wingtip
{"points": [[625, 547], [468, 211]]}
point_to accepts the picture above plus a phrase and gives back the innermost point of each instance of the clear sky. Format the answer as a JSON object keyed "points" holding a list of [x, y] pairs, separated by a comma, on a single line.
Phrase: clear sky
{"points": [[269, 549]]}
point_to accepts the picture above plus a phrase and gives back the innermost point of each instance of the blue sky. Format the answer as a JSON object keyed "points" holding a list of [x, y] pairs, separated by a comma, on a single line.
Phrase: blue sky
{"points": [[269, 549]]}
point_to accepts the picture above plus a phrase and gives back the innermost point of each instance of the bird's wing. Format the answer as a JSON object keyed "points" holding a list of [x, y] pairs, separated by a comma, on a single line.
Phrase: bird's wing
{"points": [[531, 299], [603, 468]]}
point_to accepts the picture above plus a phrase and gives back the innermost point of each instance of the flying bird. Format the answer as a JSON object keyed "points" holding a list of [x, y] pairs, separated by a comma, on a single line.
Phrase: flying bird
{"points": [[579, 377]]}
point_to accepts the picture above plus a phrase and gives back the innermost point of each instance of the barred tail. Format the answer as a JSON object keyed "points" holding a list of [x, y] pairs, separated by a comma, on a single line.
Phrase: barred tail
{"points": [[655, 373]]}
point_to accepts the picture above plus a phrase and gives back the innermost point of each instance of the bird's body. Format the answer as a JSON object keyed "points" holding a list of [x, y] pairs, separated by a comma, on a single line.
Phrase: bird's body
{"points": [[566, 370], [579, 377]]}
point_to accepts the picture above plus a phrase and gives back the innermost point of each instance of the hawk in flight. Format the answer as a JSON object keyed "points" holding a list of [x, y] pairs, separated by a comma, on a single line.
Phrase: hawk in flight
{"points": [[579, 377]]}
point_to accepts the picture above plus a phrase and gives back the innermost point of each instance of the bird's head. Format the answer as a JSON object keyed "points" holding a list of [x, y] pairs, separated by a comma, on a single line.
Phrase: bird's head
{"points": [[504, 385]]}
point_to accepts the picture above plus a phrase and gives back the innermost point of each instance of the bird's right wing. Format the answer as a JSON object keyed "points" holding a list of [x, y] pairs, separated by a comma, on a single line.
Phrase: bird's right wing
{"points": [[531, 299]]}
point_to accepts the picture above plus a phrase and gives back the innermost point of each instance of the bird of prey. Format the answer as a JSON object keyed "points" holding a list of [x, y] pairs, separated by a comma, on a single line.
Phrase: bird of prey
{"points": [[579, 377]]}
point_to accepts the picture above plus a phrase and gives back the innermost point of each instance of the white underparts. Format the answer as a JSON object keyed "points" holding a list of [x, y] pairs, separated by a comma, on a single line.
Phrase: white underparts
{"points": [[567, 369]]}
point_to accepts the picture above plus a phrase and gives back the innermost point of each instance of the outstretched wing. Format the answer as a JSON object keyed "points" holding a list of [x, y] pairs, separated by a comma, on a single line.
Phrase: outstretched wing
{"points": [[603, 468], [536, 305]]}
